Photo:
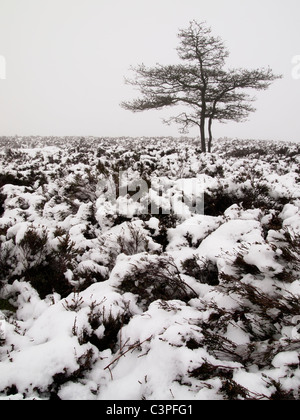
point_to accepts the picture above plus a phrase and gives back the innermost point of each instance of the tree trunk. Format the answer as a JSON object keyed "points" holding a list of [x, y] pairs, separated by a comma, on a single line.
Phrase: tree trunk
{"points": [[210, 137], [202, 135]]}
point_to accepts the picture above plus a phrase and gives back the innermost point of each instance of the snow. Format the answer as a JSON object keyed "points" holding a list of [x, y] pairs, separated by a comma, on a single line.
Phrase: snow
{"points": [[106, 300], [254, 382], [236, 334], [198, 227], [225, 238], [263, 257], [38, 364], [286, 358]]}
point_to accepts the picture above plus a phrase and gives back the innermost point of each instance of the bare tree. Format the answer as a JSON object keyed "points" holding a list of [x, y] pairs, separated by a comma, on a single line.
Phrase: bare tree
{"points": [[200, 83]]}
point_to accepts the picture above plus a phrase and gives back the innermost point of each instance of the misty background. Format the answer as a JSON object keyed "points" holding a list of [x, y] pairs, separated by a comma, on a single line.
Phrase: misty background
{"points": [[66, 61]]}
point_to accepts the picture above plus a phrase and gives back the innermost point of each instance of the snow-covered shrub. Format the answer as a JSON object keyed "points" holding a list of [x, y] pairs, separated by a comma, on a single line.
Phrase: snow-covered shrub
{"points": [[101, 300], [5, 269], [33, 246], [217, 201], [132, 240], [161, 233], [154, 278], [45, 268], [2, 203], [205, 271], [8, 178]]}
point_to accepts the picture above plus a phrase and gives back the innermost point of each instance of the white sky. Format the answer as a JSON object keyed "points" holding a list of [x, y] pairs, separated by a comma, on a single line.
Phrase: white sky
{"points": [[66, 59]]}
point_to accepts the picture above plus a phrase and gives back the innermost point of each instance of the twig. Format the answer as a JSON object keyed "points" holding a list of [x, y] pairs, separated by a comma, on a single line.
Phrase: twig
{"points": [[132, 347]]}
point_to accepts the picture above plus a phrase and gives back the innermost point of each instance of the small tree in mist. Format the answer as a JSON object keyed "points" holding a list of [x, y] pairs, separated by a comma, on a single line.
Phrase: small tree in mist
{"points": [[200, 83]]}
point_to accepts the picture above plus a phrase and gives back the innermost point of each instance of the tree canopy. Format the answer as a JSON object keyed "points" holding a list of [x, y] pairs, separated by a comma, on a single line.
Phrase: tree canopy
{"points": [[200, 82]]}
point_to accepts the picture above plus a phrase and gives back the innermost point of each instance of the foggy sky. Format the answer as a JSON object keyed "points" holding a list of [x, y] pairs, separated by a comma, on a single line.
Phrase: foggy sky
{"points": [[66, 61]]}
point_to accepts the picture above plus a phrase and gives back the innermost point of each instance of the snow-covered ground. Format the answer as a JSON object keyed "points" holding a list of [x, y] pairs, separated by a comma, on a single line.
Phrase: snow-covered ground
{"points": [[103, 296]]}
